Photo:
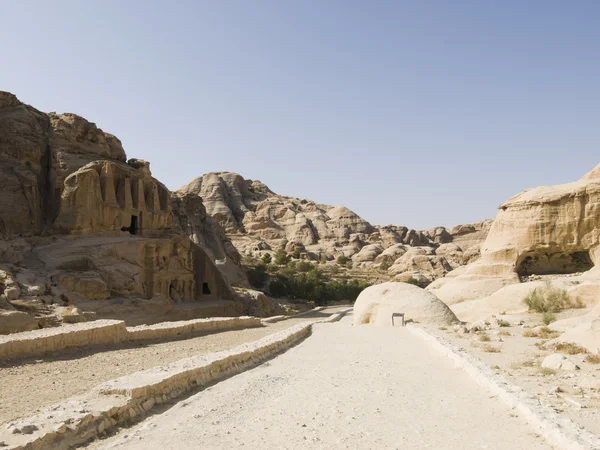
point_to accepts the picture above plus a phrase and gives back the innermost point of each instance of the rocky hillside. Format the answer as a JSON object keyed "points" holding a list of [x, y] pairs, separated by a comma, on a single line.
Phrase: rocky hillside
{"points": [[85, 232], [259, 221]]}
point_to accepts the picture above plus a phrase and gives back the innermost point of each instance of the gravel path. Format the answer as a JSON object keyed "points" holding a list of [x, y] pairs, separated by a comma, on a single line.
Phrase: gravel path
{"points": [[30, 384], [344, 387]]}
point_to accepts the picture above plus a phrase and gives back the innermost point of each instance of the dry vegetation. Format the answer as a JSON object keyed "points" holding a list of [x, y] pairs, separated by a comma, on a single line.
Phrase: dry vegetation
{"points": [[593, 359], [542, 333], [568, 348], [490, 349], [548, 300], [484, 337]]}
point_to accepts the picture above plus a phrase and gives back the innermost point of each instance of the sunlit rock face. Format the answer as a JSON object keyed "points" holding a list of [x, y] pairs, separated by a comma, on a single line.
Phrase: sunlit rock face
{"points": [[80, 223], [259, 221], [548, 230]]}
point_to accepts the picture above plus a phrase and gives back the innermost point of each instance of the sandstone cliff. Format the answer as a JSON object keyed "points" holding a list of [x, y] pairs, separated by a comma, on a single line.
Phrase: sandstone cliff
{"points": [[259, 221], [548, 230], [82, 225]]}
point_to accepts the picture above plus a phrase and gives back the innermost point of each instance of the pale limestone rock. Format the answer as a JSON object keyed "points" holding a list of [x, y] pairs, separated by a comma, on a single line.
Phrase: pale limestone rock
{"points": [[368, 253], [558, 361], [586, 333], [390, 254], [376, 304]]}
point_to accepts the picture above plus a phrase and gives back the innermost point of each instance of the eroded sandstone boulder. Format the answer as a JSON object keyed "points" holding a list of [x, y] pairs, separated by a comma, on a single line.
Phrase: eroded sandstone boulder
{"points": [[376, 304]]}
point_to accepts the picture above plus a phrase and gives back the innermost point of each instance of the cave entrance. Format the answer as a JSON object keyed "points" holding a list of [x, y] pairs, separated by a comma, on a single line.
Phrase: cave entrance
{"points": [[543, 263], [205, 289], [133, 228]]}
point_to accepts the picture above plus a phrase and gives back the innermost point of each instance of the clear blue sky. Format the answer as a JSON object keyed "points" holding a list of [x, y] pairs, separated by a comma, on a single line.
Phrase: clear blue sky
{"points": [[419, 113]]}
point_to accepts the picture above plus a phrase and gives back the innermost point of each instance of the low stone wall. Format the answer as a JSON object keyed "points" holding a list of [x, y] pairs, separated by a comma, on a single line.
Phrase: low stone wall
{"points": [[171, 329], [120, 401], [37, 342], [558, 431], [103, 332], [274, 319]]}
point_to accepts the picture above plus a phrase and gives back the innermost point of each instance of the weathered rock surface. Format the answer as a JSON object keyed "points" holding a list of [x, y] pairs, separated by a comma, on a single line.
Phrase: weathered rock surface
{"points": [[376, 304], [259, 221], [82, 225], [585, 332], [558, 361], [548, 230]]}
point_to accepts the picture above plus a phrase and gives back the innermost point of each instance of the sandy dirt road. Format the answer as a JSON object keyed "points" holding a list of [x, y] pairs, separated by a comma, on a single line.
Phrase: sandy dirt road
{"points": [[29, 384], [343, 388]]}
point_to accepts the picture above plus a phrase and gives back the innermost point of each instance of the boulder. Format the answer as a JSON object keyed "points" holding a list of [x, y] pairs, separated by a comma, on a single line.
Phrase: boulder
{"points": [[16, 321], [376, 304], [586, 334], [558, 361]]}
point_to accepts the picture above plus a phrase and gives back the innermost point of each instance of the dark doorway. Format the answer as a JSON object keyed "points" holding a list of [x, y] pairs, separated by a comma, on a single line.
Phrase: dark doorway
{"points": [[133, 228], [205, 289]]}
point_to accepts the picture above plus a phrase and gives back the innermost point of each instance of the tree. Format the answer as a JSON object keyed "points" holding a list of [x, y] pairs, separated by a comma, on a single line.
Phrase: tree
{"points": [[342, 260], [281, 257]]}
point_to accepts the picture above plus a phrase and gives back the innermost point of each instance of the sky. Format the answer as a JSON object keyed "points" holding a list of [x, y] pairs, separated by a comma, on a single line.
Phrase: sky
{"points": [[417, 113]]}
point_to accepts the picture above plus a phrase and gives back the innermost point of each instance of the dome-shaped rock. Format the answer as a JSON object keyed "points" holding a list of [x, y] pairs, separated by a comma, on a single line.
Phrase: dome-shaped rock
{"points": [[376, 304]]}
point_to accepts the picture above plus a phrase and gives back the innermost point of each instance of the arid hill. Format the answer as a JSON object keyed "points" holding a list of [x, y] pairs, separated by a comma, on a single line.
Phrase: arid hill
{"points": [[259, 221]]}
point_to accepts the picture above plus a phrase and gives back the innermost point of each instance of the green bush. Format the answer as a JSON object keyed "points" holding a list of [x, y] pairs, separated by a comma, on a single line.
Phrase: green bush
{"points": [[548, 299], [257, 276], [304, 266], [296, 254], [281, 257], [267, 258], [413, 281], [342, 260]]}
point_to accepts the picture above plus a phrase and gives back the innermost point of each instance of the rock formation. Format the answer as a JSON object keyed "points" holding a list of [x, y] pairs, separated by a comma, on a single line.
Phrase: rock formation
{"points": [[258, 221], [542, 231], [81, 225], [376, 304]]}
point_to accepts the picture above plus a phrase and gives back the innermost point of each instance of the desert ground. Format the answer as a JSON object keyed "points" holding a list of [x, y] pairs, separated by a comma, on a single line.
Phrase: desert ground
{"points": [[29, 384], [343, 387]]}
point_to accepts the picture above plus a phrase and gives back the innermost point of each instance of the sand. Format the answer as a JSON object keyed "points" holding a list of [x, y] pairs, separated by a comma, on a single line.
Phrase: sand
{"points": [[344, 387]]}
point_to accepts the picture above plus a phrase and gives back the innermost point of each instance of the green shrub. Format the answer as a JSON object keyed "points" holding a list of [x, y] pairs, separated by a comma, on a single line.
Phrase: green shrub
{"points": [[281, 257], [257, 276], [304, 266], [422, 284], [296, 254], [323, 258], [550, 299], [342, 260], [267, 258], [412, 280]]}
